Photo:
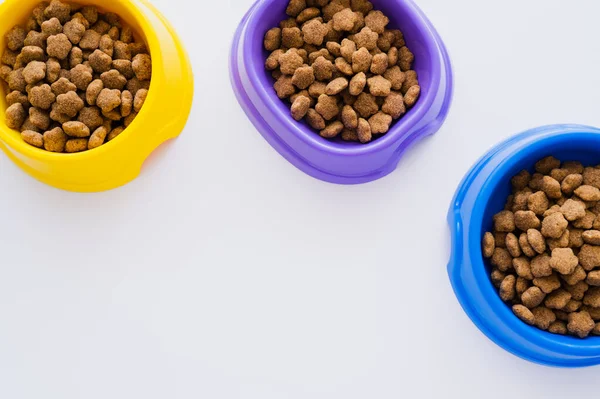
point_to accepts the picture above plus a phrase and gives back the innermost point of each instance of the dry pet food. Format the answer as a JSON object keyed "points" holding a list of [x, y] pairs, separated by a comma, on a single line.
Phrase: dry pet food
{"points": [[74, 77], [341, 69], [545, 248]]}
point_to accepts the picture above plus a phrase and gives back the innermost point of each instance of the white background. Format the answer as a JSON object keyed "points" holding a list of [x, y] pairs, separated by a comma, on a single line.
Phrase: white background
{"points": [[224, 272]]}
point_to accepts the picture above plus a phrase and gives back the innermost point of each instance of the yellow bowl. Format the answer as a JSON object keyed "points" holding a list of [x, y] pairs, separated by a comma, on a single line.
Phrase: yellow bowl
{"points": [[162, 117]]}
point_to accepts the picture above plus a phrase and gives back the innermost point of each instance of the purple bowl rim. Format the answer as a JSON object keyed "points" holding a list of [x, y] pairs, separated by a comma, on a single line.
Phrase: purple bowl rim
{"points": [[399, 132]]}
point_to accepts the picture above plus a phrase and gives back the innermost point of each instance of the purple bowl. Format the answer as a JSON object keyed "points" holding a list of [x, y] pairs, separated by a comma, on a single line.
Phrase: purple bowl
{"points": [[338, 161]]}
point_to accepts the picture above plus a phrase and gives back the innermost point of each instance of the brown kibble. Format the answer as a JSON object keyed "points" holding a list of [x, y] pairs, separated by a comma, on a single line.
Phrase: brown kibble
{"points": [[303, 77], [547, 284], [334, 48], [343, 66], [74, 31], [588, 193], [577, 290], [512, 244], [312, 57], [75, 57], [300, 107], [558, 299], [522, 266], [295, 7], [361, 60], [363, 131], [33, 138], [39, 118], [554, 225], [562, 242], [113, 80], [350, 118], [101, 27], [90, 40], [592, 297], [16, 81], [42, 96], [15, 116], [358, 84], [347, 49], [497, 277], [36, 39], [16, 97], [377, 21], [81, 76], [521, 286], [394, 105], [323, 68], [396, 77], [76, 145], [142, 66], [379, 64], [581, 324], [546, 165], [591, 237], [593, 278], [283, 87], [124, 67], [308, 14], [115, 133], [15, 38], [91, 117], [292, 38], [52, 27], [98, 137], [589, 257], [366, 38], [107, 45], [58, 9], [544, 317], [502, 259], [564, 261], [412, 95], [507, 288], [272, 39], [122, 51], [344, 20], [521, 181], [114, 34], [336, 86], [34, 72], [586, 222], [350, 135], [332, 130], [538, 203], [69, 104], [93, 90], [100, 62], [525, 220], [108, 100], [315, 120], [58, 46], [524, 314], [380, 123], [504, 222], [55, 140], [551, 187], [379, 86], [327, 106], [366, 105], [558, 327], [540, 266], [126, 103], [317, 89], [76, 129], [533, 297], [575, 238]]}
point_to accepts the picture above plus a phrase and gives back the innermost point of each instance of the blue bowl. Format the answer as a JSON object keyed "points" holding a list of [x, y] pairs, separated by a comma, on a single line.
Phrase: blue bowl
{"points": [[482, 194]]}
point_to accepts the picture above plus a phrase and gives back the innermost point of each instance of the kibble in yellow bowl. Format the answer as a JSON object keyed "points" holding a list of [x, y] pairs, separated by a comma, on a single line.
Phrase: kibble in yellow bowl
{"points": [[105, 83]]}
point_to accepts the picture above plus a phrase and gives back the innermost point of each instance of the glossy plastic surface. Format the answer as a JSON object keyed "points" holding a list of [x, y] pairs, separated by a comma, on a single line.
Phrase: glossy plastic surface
{"points": [[163, 116], [482, 194], [340, 162]]}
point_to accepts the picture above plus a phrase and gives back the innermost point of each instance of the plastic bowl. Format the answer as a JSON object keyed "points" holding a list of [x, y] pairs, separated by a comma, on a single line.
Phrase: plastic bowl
{"points": [[482, 194], [163, 116], [340, 162]]}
